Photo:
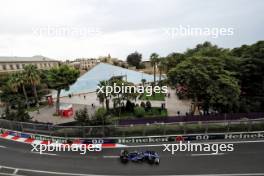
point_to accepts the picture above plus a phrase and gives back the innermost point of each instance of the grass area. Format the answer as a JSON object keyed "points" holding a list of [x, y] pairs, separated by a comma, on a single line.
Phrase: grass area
{"points": [[153, 112], [154, 97]]}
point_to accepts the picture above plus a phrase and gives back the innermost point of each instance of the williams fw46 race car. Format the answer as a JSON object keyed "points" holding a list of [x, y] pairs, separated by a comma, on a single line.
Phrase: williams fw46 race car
{"points": [[149, 156]]}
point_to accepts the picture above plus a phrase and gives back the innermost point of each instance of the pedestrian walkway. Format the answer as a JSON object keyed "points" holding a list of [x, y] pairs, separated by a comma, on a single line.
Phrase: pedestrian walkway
{"points": [[174, 104], [46, 114]]}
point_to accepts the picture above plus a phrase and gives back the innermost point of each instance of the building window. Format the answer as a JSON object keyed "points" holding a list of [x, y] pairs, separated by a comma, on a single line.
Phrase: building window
{"points": [[11, 67], [4, 67], [17, 66]]}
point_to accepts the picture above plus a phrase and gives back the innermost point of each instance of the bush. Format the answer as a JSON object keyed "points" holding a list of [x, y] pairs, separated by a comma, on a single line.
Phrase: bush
{"points": [[148, 105], [82, 116], [143, 105], [130, 106], [139, 111], [100, 114]]}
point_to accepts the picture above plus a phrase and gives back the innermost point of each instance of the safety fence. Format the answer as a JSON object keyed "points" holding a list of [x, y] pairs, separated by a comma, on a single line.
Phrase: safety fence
{"points": [[148, 129], [192, 118]]}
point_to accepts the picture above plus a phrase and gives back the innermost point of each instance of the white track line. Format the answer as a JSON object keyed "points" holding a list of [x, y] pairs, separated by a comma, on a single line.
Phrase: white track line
{"points": [[207, 154], [1, 146], [6, 174], [48, 172], [111, 156], [51, 154], [236, 174], [74, 174]]}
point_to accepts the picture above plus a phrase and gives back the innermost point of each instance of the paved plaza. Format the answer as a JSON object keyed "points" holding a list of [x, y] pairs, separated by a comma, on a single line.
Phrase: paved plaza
{"points": [[90, 100]]}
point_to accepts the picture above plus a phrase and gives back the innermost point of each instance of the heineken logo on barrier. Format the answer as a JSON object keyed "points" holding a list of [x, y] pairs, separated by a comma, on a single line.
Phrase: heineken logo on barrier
{"points": [[47, 138], [250, 135], [245, 135], [143, 140]]}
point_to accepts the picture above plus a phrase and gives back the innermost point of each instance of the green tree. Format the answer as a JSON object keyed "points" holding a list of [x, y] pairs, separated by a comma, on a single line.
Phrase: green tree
{"points": [[82, 116], [31, 74], [102, 95], [255, 51], [207, 49], [172, 60], [208, 83], [60, 78], [162, 66], [18, 80], [251, 75], [100, 115], [143, 81], [139, 111], [11, 97], [134, 59], [154, 59]]}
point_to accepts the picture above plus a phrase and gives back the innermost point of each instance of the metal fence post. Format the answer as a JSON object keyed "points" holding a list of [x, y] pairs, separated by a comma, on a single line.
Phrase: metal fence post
{"points": [[11, 125], [249, 125], [34, 127], [206, 128], [49, 130], [164, 128], [83, 131], [21, 126]]}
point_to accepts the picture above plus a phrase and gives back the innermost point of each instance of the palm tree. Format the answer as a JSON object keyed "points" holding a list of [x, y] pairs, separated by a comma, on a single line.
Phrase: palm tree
{"points": [[143, 82], [31, 73], [16, 81], [154, 57], [60, 78], [102, 96], [12, 83], [162, 66]]}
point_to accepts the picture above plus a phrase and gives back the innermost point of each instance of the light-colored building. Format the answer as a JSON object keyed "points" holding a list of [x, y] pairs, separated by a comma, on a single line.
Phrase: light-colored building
{"points": [[147, 64], [86, 64], [13, 63]]}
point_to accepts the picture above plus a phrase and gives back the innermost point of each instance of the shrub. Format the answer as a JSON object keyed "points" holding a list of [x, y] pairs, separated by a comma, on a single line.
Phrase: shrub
{"points": [[139, 111], [148, 105], [130, 106], [82, 116], [100, 113], [143, 105]]}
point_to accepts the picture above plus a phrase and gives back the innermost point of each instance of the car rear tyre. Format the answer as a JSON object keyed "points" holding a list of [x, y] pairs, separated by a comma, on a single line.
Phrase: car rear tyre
{"points": [[157, 161]]}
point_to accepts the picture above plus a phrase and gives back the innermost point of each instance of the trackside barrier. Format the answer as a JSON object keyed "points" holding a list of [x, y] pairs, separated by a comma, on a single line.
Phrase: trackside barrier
{"points": [[134, 140], [165, 129]]}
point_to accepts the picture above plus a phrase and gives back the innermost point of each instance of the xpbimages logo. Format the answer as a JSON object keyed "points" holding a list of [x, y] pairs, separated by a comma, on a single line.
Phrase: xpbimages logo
{"points": [[197, 147], [58, 147], [117, 89]]}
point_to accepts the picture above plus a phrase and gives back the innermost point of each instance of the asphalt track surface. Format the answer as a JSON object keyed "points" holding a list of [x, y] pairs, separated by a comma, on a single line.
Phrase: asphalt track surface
{"points": [[246, 159]]}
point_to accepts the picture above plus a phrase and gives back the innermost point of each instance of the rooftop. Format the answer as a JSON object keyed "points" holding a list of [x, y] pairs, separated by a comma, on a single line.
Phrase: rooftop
{"points": [[37, 58]]}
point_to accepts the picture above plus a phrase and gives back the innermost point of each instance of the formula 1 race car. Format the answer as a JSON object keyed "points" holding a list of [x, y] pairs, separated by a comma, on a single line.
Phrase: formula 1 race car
{"points": [[150, 156]]}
